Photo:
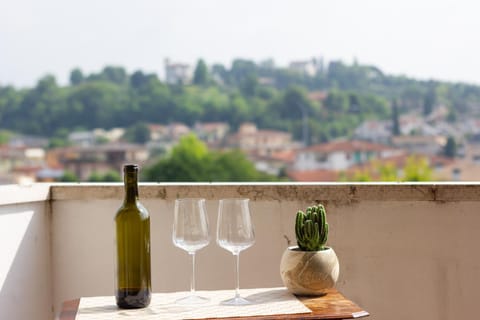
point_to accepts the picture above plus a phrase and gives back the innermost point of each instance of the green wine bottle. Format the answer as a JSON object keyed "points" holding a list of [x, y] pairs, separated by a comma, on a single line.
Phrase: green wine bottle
{"points": [[133, 287]]}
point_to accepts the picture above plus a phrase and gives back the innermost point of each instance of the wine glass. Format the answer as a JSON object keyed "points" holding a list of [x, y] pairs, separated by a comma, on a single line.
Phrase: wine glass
{"points": [[235, 233], [190, 233]]}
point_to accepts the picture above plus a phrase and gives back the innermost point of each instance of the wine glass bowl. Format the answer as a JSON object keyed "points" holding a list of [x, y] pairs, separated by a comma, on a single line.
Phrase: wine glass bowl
{"points": [[235, 233], [190, 233]]}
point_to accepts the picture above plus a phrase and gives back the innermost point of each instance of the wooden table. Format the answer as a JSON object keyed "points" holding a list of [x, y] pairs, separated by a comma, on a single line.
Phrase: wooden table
{"points": [[333, 305]]}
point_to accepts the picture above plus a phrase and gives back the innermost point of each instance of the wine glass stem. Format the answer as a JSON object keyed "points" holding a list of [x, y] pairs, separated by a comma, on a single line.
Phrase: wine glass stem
{"points": [[192, 277], [237, 275]]}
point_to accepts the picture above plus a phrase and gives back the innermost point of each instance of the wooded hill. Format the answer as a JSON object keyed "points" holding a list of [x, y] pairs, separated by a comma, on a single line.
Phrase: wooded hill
{"points": [[270, 97]]}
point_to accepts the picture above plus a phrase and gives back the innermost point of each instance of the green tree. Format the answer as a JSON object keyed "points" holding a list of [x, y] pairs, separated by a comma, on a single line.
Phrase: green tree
{"points": [[395, 119], [248, 86], [241, 69], [429, 102], [450, 149], [190, 160], [388, 172], [138, 133], [337, 101], [95, 177], [76, 77], [233, 166], [69, 176], [116, 75], [417, 169], [362, 176], [200, 75], [59, 139], [5, 137], [110, 176]]}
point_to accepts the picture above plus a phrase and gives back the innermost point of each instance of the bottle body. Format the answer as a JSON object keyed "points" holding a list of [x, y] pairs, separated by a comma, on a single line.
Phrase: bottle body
{"points": [[133, 266]]}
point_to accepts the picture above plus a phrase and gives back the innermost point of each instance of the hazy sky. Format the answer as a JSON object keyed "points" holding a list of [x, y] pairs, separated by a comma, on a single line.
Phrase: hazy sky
{"points": [[418, 38]]}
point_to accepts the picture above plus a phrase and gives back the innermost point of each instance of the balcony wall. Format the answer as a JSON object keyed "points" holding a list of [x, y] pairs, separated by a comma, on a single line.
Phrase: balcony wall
{"points": [[406, 251], [26, 283]]}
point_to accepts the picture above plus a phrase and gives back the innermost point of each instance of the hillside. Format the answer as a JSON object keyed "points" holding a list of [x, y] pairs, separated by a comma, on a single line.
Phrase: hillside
{"points": [[334, 98]]}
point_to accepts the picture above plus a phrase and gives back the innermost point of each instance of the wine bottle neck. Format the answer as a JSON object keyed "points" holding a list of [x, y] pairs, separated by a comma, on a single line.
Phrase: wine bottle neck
{"points": [[131, 187]]}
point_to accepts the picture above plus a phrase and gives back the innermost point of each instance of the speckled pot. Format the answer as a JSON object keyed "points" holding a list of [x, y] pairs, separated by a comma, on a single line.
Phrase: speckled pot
{"points": [[309, 273]]}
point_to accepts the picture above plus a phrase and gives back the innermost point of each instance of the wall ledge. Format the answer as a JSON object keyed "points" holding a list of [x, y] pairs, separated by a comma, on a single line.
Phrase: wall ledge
{"points": [[19, 194], [337, 192]]}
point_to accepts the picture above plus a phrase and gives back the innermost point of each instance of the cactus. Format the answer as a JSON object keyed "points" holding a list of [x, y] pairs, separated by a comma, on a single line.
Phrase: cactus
{"points": [[311, 228]]}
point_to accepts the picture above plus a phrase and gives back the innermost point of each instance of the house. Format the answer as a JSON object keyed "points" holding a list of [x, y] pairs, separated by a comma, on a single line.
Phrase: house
{"points": [[168, 133], [20, 163], [273, 163], [84, 161], [251, 140], [376, 131], [415, 124], [341, 154], [466, 168], [420, 144], [177, 73], [82, 138], [28, 141], [158, 132], [90, 138], [307, 67], [213, 133], [176, 130]]}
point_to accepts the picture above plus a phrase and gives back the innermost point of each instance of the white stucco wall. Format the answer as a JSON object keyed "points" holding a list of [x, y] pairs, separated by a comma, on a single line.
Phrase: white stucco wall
{"points": [[406, 251], [25, 255]]}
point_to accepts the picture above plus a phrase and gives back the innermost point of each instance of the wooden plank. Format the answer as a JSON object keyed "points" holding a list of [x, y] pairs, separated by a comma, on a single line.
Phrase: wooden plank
{"points": [[69, 310]]}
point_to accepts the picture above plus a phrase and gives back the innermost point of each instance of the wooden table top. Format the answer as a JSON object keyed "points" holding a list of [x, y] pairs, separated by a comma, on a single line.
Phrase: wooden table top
{"points": [[333, 305]]}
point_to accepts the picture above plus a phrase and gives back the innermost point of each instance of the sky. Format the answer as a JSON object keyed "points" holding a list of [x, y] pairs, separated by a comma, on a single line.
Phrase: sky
{"points": [[423, 39]]}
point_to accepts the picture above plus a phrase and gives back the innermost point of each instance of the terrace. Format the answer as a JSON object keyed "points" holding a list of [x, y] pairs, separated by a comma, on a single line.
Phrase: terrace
{"points": [[406, 251]]}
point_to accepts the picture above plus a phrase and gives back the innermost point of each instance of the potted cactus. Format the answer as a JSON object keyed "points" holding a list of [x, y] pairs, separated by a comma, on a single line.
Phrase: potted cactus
{"points": [[311, 267]]}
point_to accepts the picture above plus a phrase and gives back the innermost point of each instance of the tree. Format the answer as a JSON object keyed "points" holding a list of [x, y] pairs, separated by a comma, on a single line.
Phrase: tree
{"points": [[220, 73], [241, 69], [388, 172], [248, 86], [429, 102], [110, 176], [69, 176], [362, 176], [138, 133], [450, 149], [417, 169], [138, 79], [200, 75], [5, 137], [395, 119], [337, 101], [76, 77], [116, 75], [190, 160]]}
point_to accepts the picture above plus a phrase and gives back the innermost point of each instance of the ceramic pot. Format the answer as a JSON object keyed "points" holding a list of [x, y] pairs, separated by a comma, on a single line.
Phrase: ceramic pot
{"points": [[309, 273]]}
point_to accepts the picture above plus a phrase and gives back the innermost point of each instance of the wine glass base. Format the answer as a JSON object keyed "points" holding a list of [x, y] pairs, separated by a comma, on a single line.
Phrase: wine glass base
{"points": [[192, 300], [237, 301]]}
